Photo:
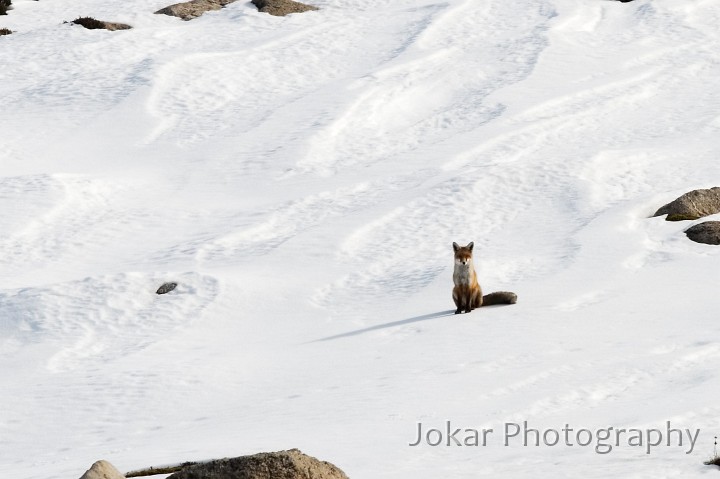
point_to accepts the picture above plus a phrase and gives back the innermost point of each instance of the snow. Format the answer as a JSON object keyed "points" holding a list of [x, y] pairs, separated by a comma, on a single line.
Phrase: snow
{"points": [[302, 179]]}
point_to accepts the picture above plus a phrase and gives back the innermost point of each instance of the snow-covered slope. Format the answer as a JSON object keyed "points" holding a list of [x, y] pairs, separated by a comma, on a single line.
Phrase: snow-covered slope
{"points": [[302, 179]]}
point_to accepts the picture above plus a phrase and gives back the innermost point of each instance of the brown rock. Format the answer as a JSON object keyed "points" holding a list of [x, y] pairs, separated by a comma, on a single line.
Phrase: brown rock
{"points": [[707, 232], [93, 24], [116, 26], [102, 470], [692, 205], [193, 8], [291, 464], [280, 8]]}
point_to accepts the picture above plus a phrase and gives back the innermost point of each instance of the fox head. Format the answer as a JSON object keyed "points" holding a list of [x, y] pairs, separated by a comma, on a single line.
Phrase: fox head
{"points": [[463, 254]]}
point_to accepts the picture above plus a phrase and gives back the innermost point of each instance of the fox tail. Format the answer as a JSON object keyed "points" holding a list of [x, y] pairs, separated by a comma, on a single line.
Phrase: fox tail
{"points": [[500, 297]]}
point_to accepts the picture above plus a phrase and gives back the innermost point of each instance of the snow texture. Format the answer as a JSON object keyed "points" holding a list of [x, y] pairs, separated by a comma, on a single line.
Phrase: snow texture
{"points": [[302, 179]]}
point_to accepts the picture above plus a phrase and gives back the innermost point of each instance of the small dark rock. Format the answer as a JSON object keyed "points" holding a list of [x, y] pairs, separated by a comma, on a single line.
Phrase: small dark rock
{"points": [[166, 288], [692, 205], [707, 232], [5, 31], [280, 8]]}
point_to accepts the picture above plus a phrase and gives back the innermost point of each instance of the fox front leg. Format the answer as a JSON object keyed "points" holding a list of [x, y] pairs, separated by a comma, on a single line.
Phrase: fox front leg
{"points": [[466, 304], [458, 303]]}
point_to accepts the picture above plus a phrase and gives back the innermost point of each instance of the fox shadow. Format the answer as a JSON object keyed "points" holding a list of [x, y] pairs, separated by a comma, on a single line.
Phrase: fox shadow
{"points": [[392, 324]]}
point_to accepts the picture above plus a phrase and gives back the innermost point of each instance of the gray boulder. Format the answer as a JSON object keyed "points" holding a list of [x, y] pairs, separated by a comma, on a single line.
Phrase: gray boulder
{"points": [[707, 232], [193, 8], [112, 26], [166, 288], [102, 470], [291, 464], [692, 205], [280, 8]]}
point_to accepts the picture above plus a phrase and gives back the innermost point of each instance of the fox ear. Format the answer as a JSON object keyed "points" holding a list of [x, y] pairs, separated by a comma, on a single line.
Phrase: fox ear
{"points": [[455, 247], [470, 245]]}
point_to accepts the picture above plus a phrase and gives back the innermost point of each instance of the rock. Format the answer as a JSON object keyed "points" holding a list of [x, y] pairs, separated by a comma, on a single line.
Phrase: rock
{"points": [[707, 232], [112, 26], [166, 288], [291, 464], [5, 31], [280, 8], [193, 8], [93, 24], [5, 5], [692, 205], [102, 470]]}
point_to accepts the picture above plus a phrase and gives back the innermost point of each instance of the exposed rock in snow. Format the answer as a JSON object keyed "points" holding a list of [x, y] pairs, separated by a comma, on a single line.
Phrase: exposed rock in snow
{"points": [[707, 232], [280, 8], [93, 24], [692, 205], [5, 5], [166, 288], [102, 470], [193, 8], [291, 464]]}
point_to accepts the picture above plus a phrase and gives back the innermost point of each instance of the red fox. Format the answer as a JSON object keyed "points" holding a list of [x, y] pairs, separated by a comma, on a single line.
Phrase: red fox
{"points": [[467, 293]]}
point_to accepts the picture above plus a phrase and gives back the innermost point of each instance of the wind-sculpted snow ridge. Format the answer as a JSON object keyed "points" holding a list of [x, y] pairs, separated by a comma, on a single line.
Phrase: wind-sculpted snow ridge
{"points": [[62, 209], [430, 94], [101, 318]]}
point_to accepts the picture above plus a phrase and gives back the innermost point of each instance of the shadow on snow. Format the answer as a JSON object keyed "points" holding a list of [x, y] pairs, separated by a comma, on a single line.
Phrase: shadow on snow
{"points": [[392, 324]]}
